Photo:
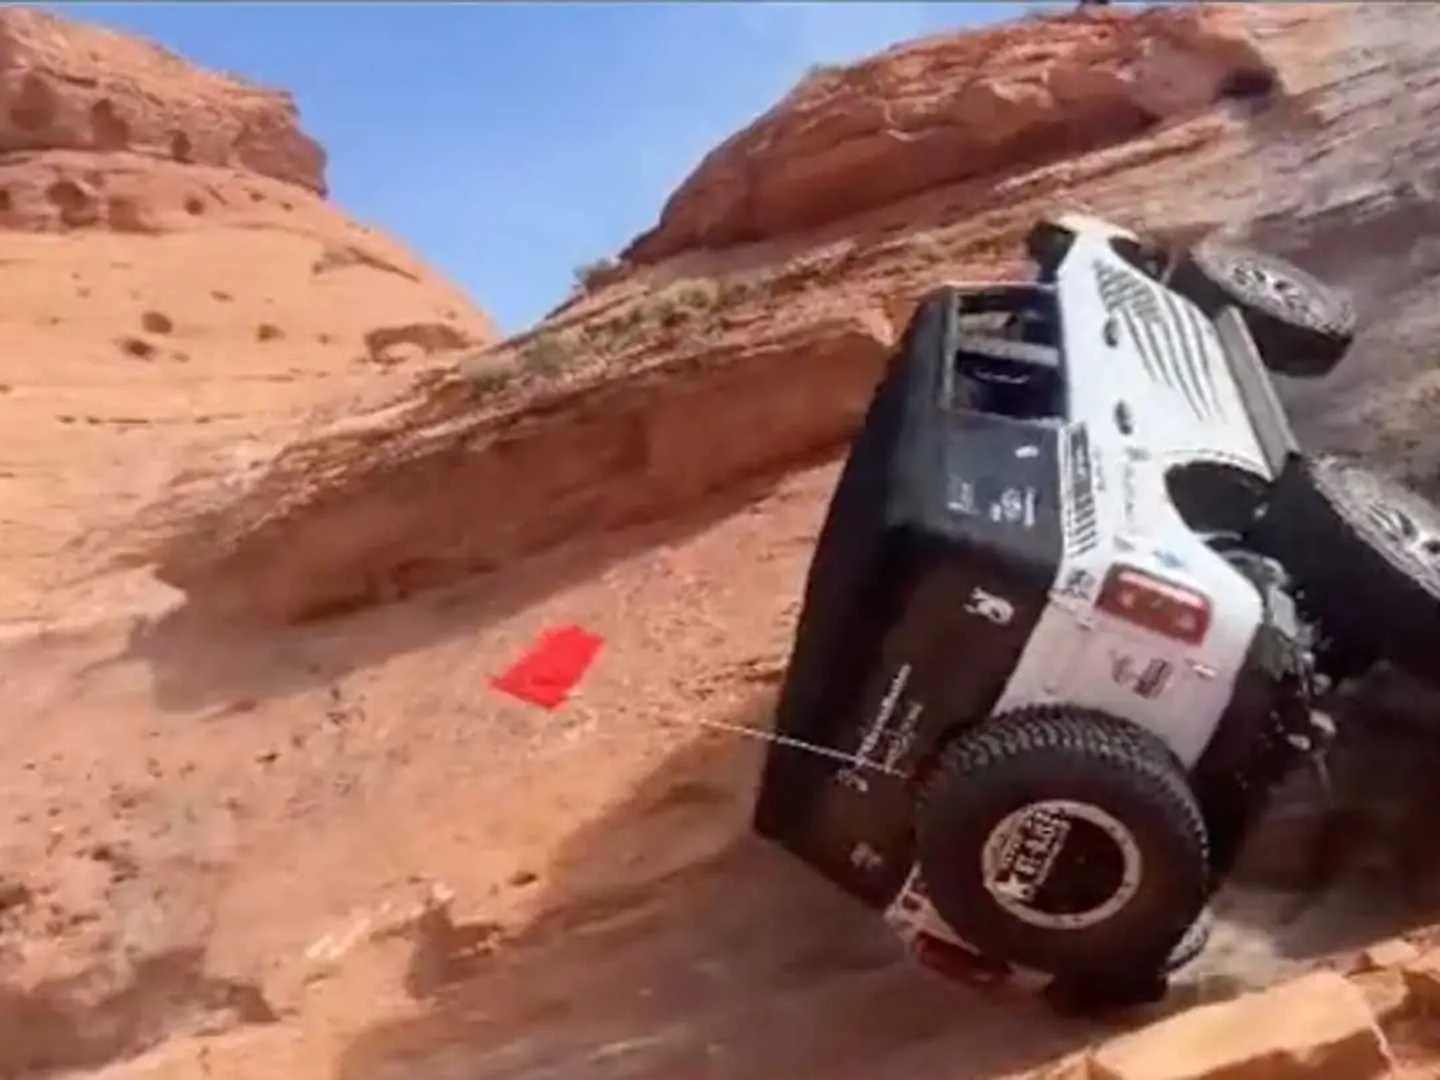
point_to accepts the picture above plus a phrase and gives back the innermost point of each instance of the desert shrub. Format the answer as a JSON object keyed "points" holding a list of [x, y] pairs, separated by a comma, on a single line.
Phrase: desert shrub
{"points": [[676, 304], [488, 379], [548, 354], [593, 274]]}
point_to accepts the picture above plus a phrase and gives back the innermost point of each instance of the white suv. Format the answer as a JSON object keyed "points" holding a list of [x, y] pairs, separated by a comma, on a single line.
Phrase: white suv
{"points": [[1073, 603]]}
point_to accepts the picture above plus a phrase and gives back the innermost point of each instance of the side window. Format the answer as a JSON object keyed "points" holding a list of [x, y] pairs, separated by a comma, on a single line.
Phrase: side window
{"points": [[1007, 362]]}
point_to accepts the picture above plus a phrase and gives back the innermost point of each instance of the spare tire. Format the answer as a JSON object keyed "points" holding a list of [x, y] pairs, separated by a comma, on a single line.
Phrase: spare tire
{"points": [[1364, 552], [1065, 841], [1301, 326]]}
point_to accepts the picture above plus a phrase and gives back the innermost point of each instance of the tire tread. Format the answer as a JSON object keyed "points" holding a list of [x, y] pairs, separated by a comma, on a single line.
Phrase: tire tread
{"points": [[1349, 578], [1138, 757], [1299, 348]]}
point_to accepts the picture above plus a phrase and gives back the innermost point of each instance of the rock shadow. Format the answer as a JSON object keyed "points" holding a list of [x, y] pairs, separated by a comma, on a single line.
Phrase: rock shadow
{"points": [[199, 661], [675, 944], [1348, 858]]}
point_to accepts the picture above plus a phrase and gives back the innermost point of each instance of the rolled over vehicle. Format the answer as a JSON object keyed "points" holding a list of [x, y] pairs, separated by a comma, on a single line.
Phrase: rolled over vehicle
{"points": [[1075, 606]]}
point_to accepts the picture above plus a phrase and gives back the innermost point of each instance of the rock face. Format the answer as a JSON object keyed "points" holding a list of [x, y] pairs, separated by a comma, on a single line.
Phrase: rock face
{"points": [[955, 109], [217, 828], [513, 483], [171, 262], [767, 296], [1317, 1026], [172, 272], [65, 86], [1359, 1019]]}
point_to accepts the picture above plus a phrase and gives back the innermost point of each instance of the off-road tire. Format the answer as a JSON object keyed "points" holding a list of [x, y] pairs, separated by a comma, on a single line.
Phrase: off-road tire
{"points": [[1089, 758], [1301, 326], [1364, 552]]}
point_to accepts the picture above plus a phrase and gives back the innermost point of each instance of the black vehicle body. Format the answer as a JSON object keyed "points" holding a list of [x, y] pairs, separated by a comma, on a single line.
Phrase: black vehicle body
{"points": [[893, 569]]}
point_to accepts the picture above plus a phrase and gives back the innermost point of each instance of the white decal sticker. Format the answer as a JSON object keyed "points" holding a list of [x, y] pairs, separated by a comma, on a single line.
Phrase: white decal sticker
{"points": [[1079, 584], [1024, 452], [1015, 507], [872, 737], [1169, 560], [865, 858], [1149, 681], [989, 606], [1012, 505], [851, 776], [904, 736], [960, 496], [1128, 492]]}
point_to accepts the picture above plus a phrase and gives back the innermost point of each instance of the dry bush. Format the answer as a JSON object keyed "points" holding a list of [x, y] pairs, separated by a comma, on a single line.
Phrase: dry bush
{"points": [[549, 354], [488, 378], [593, 275]]}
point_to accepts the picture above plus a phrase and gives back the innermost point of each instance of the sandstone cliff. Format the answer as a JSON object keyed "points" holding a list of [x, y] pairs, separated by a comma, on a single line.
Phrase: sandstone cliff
{"points": [[336, 839], [173, 272], [170, 261], [933, 114], [779, 272], [74, 87]]}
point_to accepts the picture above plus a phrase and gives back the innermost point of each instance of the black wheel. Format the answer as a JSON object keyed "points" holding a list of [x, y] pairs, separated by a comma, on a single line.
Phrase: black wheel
{"points": [[1302, 326], [1364, 551], [1065, 841]]}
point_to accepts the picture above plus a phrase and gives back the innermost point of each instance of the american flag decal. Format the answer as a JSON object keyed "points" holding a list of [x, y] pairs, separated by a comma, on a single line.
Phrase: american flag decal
{"points": [[1169, 333]]}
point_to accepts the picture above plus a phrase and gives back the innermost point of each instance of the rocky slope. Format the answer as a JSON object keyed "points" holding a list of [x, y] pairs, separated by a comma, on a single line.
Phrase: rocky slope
{"points": [[170, 255], [330, 850], [173, 273], [779, 272]]}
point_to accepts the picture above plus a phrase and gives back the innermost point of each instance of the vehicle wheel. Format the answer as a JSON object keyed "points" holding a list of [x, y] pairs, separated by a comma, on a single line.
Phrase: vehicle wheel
{"points": [[1302, 326], [1065, 841], [1364, 551], [1192, 943]]}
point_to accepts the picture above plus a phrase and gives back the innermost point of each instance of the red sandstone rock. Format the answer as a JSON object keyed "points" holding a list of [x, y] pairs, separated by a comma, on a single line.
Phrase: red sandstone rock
{"points": [[71, 86], [1318, 1026], [173, 269], [950, 109], [194, 806], [623, 406]]}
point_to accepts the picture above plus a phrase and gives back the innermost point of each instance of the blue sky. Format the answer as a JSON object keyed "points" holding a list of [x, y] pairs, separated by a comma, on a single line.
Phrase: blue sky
{"points": [[509, 143]]}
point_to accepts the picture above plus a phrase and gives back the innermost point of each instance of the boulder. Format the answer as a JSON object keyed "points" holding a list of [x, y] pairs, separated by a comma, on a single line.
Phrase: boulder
{"points": [[1318, 1026]]}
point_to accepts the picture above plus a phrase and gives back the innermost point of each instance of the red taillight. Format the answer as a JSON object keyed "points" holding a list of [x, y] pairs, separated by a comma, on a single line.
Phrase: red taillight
{"points": [[1156, 604]]}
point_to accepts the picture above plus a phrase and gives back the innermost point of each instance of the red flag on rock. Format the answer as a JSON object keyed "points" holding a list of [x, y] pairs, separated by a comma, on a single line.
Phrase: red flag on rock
{"points": [[550, 669]]}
